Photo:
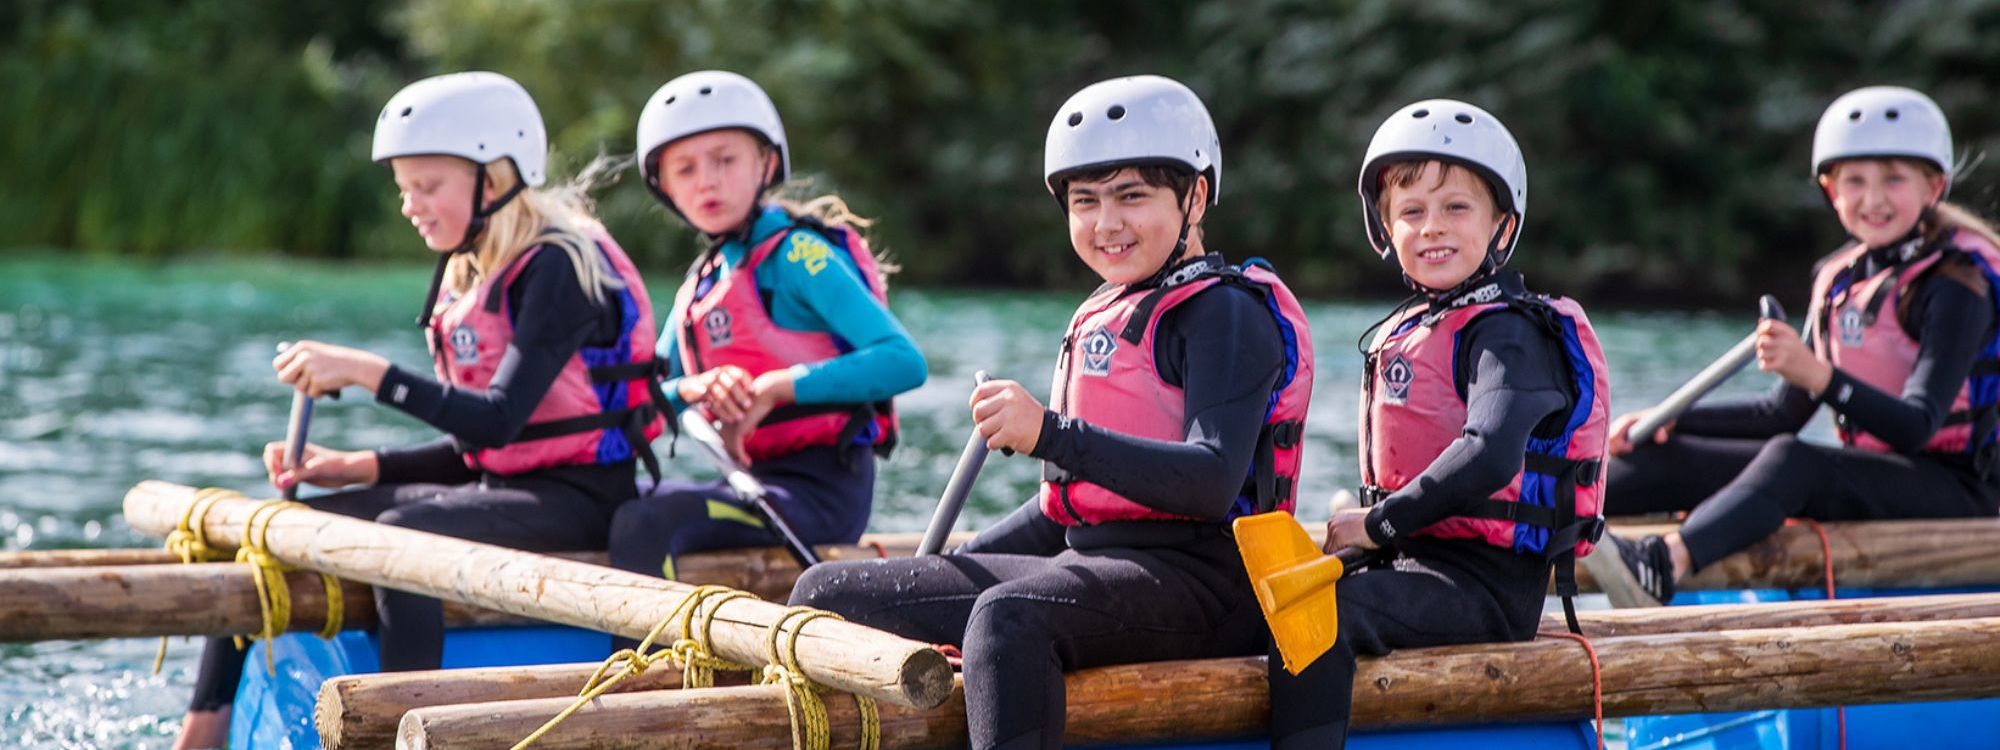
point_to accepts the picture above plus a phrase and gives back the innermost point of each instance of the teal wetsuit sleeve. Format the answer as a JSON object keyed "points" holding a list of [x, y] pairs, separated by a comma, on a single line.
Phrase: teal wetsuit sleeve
{"points": [[668, 350], [815, 286]]}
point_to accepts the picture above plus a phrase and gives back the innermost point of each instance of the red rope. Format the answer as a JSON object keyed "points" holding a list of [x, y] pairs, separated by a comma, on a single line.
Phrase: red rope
{"points": [[1826, 555], [880, 551], [1596, 680]]}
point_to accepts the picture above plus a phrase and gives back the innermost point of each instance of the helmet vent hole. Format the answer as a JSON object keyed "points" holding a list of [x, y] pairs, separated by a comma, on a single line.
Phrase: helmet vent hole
{"points": [[1893, 114], [671, 99], [482, 147], [1855, 115], [407, 111], [706, 90], [1075, 119], [1464, 118], [1420, 114], [520, 134], [1117, 112]]}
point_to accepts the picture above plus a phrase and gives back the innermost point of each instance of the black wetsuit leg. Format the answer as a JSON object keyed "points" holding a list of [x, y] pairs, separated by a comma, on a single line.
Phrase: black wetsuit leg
{"points": [[826, 503], [1022, 621], [531, 512], [1436, 593], [1790, 478], [1676, 475]]}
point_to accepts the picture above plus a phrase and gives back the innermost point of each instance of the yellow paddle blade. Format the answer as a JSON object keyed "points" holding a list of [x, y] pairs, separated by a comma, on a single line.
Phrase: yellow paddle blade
{"points": [[1294, 585]]}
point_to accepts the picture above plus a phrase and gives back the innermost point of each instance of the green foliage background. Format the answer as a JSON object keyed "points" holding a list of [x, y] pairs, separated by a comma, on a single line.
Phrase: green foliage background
{"points": [[1667, 141]]}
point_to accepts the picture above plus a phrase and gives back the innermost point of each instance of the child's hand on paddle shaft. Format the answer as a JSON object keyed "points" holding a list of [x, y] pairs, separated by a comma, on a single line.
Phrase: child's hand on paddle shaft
{"points": [[317, 369], [320, 467], [1781, 351], [1007, 416], [724, 390], [1621, 443], [1347, 528], [769, 391]]}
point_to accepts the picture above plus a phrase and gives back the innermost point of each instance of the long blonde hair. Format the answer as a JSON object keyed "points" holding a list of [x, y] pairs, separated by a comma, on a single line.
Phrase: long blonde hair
{"points": [[795, 196], [561, 215]]}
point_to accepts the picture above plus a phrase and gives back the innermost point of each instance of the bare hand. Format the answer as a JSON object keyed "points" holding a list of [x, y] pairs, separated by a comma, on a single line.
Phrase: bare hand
{"points": [[320, 467], [317, 369], [1781, 351], [1621, 442], [725, 390], [1348, 528], [769, 391], [1007, 416]]}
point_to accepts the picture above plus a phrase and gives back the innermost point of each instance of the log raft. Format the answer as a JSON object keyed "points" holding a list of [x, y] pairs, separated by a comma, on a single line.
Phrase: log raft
{"points": [[1543, 680], [363, 710], [841, 655]]}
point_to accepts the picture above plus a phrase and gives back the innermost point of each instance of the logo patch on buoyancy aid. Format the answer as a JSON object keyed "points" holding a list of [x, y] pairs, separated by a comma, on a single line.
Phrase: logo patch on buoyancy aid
{"points": [[1850, 326], [1097, 347], [465, 345], [717, 326], [1397, 373]]}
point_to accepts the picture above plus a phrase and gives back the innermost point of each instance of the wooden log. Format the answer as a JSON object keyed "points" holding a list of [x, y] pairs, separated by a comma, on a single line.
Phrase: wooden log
{"points": [[1545, 680], [78, 558], [361, 711], [209, 599], [1873, 554], [381, 699], [838, 654], [1798, 614]]}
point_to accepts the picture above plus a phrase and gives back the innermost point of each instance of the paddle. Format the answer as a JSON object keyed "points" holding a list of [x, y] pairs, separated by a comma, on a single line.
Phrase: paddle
{"points": [[956, 490], [295, 430], [1720, 370], [1294, 584], [746, 487], [295, 437]]}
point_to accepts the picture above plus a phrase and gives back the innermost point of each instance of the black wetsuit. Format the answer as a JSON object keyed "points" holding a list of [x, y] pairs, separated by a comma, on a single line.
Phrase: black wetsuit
{"points": [[428, 487], [1028, 600], [1433, 592], [1756, 472]]}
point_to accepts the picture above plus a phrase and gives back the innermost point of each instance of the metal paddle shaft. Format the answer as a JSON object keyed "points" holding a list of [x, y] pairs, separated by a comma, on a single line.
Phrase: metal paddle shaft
{"points": [[295, 437], [956, 490], [295, 431], [1720, 370], [746, 487]]}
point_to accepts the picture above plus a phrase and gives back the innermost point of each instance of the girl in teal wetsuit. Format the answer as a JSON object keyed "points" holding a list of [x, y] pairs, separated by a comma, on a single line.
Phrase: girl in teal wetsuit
{"points": [[780, 332]]}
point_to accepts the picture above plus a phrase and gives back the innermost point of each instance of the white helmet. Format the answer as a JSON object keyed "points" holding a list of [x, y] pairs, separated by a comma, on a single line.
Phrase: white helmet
{"points": [[1456, 132], [1883, 121], [698, 103], [1134, 120], [478, 116]]}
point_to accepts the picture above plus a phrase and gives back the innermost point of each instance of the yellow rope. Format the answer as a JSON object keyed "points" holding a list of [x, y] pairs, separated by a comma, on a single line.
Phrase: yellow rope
{"points": [[189, 542], [810, 728], [691, 651]]}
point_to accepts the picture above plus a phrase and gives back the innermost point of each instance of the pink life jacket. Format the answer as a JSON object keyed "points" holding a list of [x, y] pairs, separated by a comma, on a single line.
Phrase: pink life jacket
{"points": [[728, 323], [1107, 376], [604, 406], [1411, 411], [1875, 349]]}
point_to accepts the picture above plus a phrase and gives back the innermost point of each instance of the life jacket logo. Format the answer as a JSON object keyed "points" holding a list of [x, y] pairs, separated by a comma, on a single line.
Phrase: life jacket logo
{"points": [[1850, 327], [716, 323], [1097, 348], [1396, 377], [465, 345]]}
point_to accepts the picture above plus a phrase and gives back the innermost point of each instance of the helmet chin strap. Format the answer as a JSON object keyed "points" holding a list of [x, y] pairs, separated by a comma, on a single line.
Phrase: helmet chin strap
{"points": [[1925, 219], [473, 228], [1487, 266], [1180, 245], [742, 229]]}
